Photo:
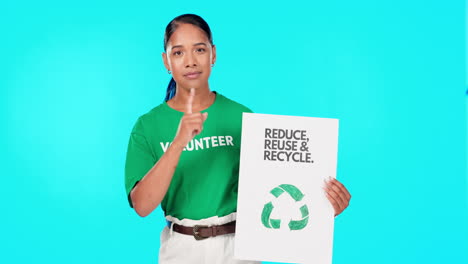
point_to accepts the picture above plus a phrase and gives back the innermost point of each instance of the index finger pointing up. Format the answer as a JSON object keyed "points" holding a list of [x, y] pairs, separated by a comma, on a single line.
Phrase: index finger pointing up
{"points": [[190, 100]]}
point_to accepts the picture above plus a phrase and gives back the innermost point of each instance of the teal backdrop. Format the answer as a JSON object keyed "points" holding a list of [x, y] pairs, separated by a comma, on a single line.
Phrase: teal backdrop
{"points": [[74, 77]]}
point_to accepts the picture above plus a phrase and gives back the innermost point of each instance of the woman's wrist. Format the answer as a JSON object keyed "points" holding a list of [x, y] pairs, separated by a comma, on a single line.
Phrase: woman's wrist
{"points": [[176, 145]]}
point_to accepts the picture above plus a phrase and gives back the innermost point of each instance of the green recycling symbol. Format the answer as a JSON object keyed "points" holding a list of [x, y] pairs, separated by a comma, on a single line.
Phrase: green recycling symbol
{"points": [[297, 195]]}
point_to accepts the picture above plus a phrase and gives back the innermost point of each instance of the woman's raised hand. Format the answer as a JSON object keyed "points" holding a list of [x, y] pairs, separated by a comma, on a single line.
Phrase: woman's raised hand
{"points": [[191, 123]]}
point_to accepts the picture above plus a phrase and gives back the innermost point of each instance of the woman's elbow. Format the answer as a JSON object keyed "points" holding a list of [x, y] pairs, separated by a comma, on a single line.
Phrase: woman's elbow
{"points": [[139, 207], [141, 212]]}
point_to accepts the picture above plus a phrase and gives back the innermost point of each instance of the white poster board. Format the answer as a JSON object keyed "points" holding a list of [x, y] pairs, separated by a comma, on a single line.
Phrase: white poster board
{"points": [[283, 214]]}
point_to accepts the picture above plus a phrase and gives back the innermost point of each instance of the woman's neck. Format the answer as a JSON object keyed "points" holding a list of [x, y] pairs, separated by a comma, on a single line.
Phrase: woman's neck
{"points": [[203, 99]]}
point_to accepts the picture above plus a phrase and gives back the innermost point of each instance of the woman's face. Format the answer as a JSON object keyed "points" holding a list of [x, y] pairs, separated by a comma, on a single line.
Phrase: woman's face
{"points": [[189, 55]]}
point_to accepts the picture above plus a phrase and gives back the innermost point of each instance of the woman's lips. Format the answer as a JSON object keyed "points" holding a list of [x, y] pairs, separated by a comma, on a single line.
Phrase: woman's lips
{"points": [[192, 75]]}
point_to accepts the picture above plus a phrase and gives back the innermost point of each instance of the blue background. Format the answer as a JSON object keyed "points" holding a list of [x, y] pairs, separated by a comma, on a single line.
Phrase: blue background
{"points": [[75, 76]]}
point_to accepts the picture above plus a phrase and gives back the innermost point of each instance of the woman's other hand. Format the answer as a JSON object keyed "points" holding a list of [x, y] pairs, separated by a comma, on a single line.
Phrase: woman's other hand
{"points": [[337, 194]]}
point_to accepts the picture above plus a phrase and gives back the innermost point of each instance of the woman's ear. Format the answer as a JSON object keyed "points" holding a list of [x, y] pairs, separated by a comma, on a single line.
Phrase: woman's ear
{"points": [[213, 54], [166, 62]]}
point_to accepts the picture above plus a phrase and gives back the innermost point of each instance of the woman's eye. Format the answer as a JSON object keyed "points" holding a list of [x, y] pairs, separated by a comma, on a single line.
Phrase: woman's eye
{"points": [[200, 50], [177, 53]]}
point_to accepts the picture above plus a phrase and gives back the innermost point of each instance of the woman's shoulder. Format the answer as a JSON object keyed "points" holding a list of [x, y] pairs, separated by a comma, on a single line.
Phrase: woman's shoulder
{"points": [[231, 104], [150, 117]]}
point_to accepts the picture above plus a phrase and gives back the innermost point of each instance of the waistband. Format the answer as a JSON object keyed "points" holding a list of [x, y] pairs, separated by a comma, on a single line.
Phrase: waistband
{"points": [[214, 220]]}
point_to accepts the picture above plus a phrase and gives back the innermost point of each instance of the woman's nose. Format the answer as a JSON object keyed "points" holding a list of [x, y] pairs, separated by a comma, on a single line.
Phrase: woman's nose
{"points": [[190, 61]]}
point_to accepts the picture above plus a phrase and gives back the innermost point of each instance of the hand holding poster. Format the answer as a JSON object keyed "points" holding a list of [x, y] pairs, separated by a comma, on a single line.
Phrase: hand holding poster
{"points": [[283, 214]]}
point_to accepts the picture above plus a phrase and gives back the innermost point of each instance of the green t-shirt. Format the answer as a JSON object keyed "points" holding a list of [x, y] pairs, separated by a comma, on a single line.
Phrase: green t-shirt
{"points": [[206, 178]]}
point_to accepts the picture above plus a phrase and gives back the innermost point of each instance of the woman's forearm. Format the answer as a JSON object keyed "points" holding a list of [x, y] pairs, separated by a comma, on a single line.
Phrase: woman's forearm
{"points": [[150, 191]]}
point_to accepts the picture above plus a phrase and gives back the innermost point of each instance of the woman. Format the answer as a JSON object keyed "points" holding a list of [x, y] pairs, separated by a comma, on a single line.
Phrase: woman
{"points": [[184, 154]]}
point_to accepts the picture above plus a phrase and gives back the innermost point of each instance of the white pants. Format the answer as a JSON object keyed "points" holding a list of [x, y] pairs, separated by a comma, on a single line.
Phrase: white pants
{"points": [[178, 248]]}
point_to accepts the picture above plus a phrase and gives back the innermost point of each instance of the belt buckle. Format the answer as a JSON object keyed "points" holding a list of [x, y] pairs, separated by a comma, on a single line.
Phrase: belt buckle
{"points": [[196, 232]]}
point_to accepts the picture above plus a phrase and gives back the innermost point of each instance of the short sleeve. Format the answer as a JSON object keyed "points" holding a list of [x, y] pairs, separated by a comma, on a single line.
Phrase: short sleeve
{"points": [[139, 159]]}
